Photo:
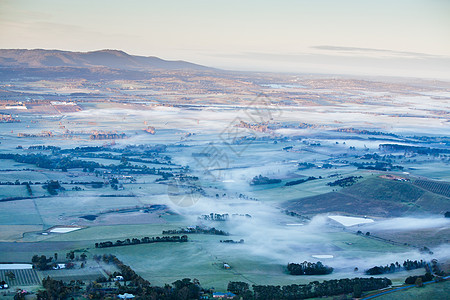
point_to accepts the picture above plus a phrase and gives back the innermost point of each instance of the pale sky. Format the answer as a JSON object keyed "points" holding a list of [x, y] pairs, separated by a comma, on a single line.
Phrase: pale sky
{"points": [[378, 37]]}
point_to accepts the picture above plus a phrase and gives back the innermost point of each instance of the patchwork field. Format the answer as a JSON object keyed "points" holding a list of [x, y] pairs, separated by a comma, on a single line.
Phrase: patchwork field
{"points": [[22, 277], [266, 178]]}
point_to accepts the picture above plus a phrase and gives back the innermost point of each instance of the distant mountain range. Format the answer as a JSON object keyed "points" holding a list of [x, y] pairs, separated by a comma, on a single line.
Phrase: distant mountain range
{"points": [[111, 59]]}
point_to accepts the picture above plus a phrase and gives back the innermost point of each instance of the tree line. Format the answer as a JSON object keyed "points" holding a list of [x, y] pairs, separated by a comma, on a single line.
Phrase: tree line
{"points": [[299, 181], [313, 289], [144, 240], [395, 267], [196, 229], [347, 181]]}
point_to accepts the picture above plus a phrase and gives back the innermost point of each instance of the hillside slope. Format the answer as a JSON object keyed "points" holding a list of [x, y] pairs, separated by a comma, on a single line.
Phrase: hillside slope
{"points": [[374, 197], [115, 59]]}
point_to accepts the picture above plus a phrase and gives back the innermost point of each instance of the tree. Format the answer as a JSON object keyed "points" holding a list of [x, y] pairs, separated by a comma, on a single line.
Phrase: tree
{"points": [[41, 262], [10, 275], [237, 287], [56, 256], [70, 255], [419, 282], [357, 291]]}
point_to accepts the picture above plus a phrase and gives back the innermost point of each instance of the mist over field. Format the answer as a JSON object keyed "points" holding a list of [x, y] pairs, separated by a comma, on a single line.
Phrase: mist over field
{"points": [[134, 176]]}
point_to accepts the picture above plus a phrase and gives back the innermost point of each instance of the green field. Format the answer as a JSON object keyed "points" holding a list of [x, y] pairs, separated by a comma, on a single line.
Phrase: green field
{"points": [[272, 238], [431, 291]]}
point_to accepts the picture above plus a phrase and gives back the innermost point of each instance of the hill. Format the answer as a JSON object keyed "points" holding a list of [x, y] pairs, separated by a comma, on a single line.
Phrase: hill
{"points": [[374, 197], [114, 59]]}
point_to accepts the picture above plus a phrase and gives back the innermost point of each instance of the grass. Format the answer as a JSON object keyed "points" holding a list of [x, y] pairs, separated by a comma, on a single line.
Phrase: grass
{"points": [[439, 290], [10, 233], [21, 212], [379, 189], [100, 233], [374, 197], [203, 258]]}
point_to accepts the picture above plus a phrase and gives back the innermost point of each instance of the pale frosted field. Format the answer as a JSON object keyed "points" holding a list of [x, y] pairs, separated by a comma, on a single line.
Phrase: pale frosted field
{"points": [[350, 221], [64, 229]]}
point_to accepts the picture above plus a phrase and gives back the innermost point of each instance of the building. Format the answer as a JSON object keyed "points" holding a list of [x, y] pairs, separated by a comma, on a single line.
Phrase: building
{"points": [[125, 296], [228, 295], [59, 267]]}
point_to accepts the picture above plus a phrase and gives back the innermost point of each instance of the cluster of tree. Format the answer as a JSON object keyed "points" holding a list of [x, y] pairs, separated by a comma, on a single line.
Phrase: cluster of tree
{"points": [[44, 133], [317, 289], [126, 271], [435, 269], [368, 132], [44, 263], [144, 240], [295, 182], [425, 250], [394, 267], [424, 278], [294, 214], [145, 148], [10, 275], [196, 229], [41, 262], [241, 289], [52, 187], [221, 217], [107, 136], [378, 165], [57, 289], [308, 268], [29, 190], [241, 241], [347, 181], [306, 165], [51, 162], [413, 149], [67, 162], [214, 217], [126, 158], [359, 232], [17, 182], [85, 149], [374, 156], [183, 289], [259, 180], [44, 147]]}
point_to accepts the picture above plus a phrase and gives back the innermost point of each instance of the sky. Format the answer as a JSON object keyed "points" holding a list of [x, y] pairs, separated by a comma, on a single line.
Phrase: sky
{"points": [[378, 37]]}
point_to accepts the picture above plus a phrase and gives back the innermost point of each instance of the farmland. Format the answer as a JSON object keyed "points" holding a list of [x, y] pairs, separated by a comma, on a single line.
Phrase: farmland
{"points": [[66, 191], [25, 277]]}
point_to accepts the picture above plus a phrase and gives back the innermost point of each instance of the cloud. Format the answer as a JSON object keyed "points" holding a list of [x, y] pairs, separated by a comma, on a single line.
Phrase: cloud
{"points": [[340, 60], [374, 51]]}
